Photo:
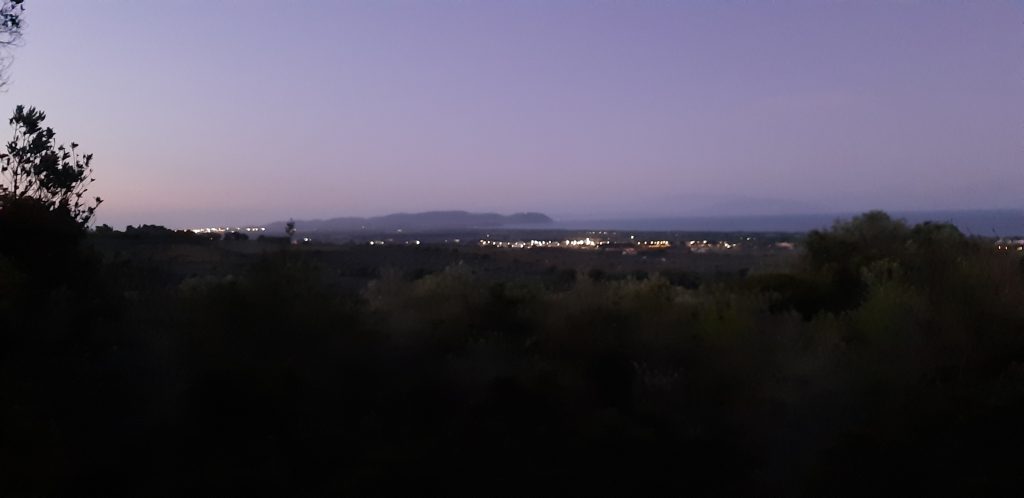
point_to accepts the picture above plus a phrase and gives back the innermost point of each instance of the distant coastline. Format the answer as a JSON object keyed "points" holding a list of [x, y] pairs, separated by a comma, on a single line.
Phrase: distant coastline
{"points": [[988, 223], [413, 222], [996, 222]]}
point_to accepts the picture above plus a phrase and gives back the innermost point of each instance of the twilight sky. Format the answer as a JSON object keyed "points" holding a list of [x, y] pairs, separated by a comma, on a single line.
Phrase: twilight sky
{"points": [[211, 112]]}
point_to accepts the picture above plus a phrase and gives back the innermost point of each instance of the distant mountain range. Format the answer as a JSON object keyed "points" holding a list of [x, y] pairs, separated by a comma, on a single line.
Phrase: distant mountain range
{"points": [[415, 222], [1005, 222]]}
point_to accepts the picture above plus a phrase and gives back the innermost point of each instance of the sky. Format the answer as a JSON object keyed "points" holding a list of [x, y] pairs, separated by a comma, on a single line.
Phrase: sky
{"points": [[232, 112]]}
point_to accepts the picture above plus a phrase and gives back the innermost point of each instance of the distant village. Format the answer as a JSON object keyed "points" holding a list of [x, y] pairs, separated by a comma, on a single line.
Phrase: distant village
{"points": [[624, 243], [604, 241]]}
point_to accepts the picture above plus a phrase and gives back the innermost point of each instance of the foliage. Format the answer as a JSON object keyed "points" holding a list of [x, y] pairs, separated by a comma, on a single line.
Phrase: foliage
{"points": [[43, 242], [11, 12], [33, 166], [263, 377], [11, 23]]}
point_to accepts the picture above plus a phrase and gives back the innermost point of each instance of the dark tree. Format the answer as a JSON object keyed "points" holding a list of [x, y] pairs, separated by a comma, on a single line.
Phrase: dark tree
{"points": [[11, 13], [35, 167]]}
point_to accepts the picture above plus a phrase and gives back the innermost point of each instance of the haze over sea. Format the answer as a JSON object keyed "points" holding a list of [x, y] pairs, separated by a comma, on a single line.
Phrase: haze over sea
{"points": [[1002, 223]]}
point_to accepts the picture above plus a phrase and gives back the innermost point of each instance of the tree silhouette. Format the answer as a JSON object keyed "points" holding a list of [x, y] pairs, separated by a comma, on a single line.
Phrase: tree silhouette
{"points": [[11, 12], [34, 167]]}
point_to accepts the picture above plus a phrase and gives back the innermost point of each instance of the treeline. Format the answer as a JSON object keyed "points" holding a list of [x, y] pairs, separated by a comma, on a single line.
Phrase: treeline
{"points": [[889, 360]]}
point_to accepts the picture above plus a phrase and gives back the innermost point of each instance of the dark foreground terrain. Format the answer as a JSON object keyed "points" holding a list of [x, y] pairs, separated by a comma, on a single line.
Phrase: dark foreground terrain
{"points": [[882, 359]]}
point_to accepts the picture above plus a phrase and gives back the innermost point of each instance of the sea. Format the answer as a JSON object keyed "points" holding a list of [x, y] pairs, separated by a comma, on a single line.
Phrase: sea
{"points": [[988, 223]]}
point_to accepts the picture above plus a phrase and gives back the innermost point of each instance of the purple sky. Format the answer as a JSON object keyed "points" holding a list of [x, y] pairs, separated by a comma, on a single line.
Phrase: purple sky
{"points": [[231, 112]]}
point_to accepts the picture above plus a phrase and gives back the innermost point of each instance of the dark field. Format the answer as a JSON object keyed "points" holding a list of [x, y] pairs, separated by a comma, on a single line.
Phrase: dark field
{"points": [[350, 266], [876, 358]]}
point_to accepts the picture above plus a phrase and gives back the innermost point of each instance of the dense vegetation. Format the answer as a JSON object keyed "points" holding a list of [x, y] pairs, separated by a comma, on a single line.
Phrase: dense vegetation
{"points": [[888, 359]]}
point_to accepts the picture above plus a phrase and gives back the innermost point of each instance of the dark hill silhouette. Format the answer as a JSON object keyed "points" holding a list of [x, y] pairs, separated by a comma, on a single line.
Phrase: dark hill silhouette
{"points": [[411, 222]]}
